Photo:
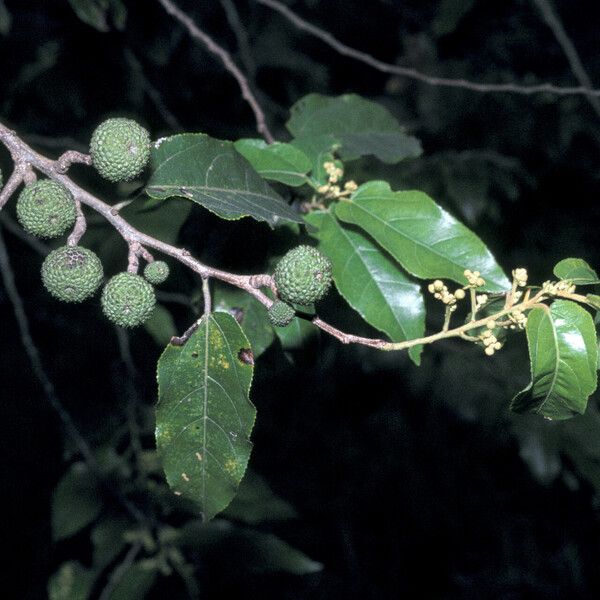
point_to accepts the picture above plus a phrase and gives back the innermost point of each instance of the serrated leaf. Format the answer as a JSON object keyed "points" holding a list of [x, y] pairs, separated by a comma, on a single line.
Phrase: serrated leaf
{"points": [[75, 502], [577, 271], [251, 550], [371, 282], [563, 351], [361, 127], [277, 161], [426, 240], [72, 581], [161, 325], [211, 173], [204, 416], [249, 313]]}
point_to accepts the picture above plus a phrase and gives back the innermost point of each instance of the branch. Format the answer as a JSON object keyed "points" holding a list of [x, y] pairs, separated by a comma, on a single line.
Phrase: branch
{"points": [[577, 68], [473, 86], [227, 61]]}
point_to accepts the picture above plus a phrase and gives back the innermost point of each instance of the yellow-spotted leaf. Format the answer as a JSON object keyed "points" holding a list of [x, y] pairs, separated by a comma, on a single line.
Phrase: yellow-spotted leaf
{"points": [[204, 416]]}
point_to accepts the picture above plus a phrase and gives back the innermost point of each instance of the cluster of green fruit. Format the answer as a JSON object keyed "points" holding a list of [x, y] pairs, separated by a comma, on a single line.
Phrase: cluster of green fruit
{"points": [[302, 277], [120, 150]]}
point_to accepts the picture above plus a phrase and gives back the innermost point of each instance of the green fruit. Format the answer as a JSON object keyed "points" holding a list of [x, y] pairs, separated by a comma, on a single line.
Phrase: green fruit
{"points": [[46, 209], [72, 273], [128, 299], [281, 314], [303, 276], [120, 149], [156, 272]]}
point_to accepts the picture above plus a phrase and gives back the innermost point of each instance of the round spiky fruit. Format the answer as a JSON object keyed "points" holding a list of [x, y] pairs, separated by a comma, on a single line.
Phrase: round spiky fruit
{"points": [[72, 273], [128, 299], [120, 149], [46, 209], [303, 276], [156, 272], [281, 314]]}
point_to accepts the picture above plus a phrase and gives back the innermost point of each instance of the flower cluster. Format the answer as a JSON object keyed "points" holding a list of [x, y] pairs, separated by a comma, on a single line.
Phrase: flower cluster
{"points": [[490, 342], [520, 277], [556, 287], [441, 292], [334, 175], [474, 278]]}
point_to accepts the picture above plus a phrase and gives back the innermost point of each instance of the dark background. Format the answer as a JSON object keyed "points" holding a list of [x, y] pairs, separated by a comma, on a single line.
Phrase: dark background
{"points": [[409, 482]]}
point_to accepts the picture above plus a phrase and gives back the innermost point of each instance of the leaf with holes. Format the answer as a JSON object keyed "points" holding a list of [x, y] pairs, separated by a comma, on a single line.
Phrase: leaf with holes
{"points": [[371, 282], [360, 126], [563, 352], [204, 415], [211, 173], [421, 236]]}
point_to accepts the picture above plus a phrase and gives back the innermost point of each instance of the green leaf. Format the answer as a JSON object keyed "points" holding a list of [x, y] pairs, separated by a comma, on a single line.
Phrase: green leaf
{"points": [[252, 550], [135, 582], [161, 325], [564, 353], [426, 240], [319, 149], [75, 502], [371, 282], [361, 127], [277, 161], [593, 300], [249, 313], [577, 271], [72, 581], [204, 416], [256, 502], [211, 173]]}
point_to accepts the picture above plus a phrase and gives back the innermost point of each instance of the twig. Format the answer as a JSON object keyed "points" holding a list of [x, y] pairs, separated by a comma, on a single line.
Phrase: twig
{"points": [[40, 373], [384, 67], [80, 226], [241, 36], [228, 63], [71, 157], [577, 68], [14, 181]]}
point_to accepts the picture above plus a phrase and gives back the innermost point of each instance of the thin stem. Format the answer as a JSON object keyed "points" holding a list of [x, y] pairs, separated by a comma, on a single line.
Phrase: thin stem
{"points": [[40, 373], [206, 295], [569, 50], [228, 63], [459, 331], [410, 73], [80, 226]]}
